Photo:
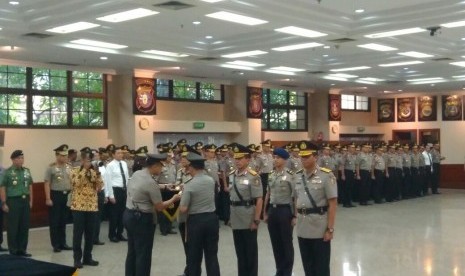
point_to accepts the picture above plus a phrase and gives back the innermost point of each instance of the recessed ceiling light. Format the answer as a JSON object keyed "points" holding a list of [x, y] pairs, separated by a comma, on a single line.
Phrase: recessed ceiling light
{"points": [[401, 63], [325, 55], [459, 77], [377, 47], [218, 42], [272, 71], [327, 47], [90, 48], [300, 31], [372, 79], [459, 63], [332, 84], [208, 37], [405, 68], [240, 73], [425, 79], [100, 44], [334, 78], [400, 90], [103, 58], [164, 53], [396, 33], [340, 75], [297, 46], [433, 84], [236, 18], [127, 15], [245, 63], [364, 82], [359, 10], [415, 54], [73, 27], [289, 69], [211, 1], [237, 67], [453, 24], [196, 22], [350, 69], [14, 3], [428, 81], [245, 54]]}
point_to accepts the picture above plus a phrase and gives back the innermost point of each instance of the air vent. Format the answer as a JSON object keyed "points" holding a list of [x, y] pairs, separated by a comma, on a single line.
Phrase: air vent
{"points": [[36, 35], [442, 59], [173, 5], [208, 58], [316, 72], [62, 63], [341, 40]]}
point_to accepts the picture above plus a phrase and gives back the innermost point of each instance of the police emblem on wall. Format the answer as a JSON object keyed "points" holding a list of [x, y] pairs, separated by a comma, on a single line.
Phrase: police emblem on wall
{"points": [[254, 102], [452, 108], [334, 111], [427, 108], [385, 110], [405, 109], [144, 97]]}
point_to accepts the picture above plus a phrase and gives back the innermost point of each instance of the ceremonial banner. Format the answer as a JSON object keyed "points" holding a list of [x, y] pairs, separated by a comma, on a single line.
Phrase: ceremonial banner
{"points": [[385, 110], [254, 102], [405, 109], [334, 111], [144, 100], [452, 108], [427, 108]]}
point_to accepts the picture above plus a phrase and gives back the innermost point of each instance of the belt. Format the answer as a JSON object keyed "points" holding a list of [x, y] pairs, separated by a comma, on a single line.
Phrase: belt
{"points": [[280, 205], [122, 188], [307, 211], [21, 196], [243, 203], [64, 192], [200, 214]]}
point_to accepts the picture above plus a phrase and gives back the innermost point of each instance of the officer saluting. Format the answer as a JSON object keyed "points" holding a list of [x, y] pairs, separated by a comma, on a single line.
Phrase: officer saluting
{"points": [[246, 193], [139, 218], [198, 201], [316, 203]]}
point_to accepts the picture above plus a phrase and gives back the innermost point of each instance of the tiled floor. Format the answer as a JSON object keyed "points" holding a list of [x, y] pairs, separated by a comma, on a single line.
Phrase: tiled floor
{"points": [[424, 236]]}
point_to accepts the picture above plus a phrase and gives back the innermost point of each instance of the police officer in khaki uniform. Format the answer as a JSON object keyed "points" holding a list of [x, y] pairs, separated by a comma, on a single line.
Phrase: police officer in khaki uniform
{"points": [[378, 174], [265, 163], [168, 177], [246, 193], [436, 158], [198, 202], [316, 203], [16, 197], [139, 218], [347, 168], [281, 215], [294, 163], [57, 187], [363, 169]]}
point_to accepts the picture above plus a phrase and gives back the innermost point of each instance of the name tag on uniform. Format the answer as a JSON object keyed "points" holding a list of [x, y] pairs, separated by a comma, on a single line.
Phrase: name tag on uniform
{"points": [[284, 177], [246, 182], [316, 180]]}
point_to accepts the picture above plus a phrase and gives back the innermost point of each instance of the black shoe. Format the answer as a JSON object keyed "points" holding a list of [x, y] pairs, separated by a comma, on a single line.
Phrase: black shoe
{"points": [[90, 262], [436, 193], [346, 205], [114, 240], [172, 232], [164, 233], [122, 238], [99, 243], [352, 206], [66, 247], [78, 264], [3, 249], [24, 254], [56, 249]]}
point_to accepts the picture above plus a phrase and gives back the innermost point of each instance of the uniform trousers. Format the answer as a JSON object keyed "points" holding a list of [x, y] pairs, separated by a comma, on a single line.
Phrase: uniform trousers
{"points": [[245, 243], [222, 208], [141, 232], [182, 232], [421, 183], [415, 189], [264, 179], [99, 216], [428, 179], [164, 223], [18, 224], [347, 187], [202, 239], [280, 229], [115, 229], [407, 182], [436, 176], [83, 224], [316, 255], [365, 182], [399, 179], [391, 184], [58, 216], [378, 186], [1, 225]]}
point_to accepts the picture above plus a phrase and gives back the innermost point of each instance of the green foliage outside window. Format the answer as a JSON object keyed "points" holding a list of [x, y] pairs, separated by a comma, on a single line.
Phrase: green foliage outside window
{"points": [[284, 110]]}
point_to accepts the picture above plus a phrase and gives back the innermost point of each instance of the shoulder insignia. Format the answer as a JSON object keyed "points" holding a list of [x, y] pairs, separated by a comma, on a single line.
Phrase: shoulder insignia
{"points": [[187, 181], [326, 170], [300, 171], [232, 172], [252, 172], [290, 172]]}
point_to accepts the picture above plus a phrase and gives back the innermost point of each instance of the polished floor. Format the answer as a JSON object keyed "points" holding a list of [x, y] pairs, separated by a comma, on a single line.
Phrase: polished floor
{"points": [[423, 236]]}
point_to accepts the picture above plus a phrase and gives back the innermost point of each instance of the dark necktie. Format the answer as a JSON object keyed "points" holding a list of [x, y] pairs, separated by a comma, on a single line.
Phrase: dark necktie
{"points": [[122, 174]]}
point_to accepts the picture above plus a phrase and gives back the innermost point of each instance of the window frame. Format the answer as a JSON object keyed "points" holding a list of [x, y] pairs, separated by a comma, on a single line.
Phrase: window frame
{"points": [[267, 107], [355, 109], [29, 92], [197, 93]]}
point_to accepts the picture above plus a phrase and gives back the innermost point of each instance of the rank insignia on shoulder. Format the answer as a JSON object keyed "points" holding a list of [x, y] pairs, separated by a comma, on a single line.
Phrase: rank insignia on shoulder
{"points": [[300, 171], [290, 172], [256, 182], [325, 170], [232, 172], [187, 181], [252, 172]]}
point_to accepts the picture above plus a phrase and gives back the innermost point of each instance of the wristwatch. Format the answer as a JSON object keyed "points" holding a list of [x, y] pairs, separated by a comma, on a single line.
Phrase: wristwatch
{"points": [[330, 230], [257, 221]]}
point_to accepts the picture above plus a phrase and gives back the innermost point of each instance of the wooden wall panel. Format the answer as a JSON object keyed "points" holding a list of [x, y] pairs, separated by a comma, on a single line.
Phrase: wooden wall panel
{"points": [[452, 176]]}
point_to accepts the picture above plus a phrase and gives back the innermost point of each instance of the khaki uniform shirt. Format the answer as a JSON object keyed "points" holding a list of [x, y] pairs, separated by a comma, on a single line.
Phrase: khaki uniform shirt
{"points": [[391, 160], [406, 160], [212, 169], [59, 177], [348, 162], [399, 161], [265, 162], [294, 163], [168, 174], [435, 156], [364, 161], [379, 163], [16, 181], [325, 161], [322, 186], [199, 195], [249, 185], [281, 186], [182, 177], [416, 160]]}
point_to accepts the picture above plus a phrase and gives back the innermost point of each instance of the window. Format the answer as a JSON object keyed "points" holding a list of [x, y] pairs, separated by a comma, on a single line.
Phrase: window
{"points": [[284, 110], [355, 103], [41, 97], [182, 90]]}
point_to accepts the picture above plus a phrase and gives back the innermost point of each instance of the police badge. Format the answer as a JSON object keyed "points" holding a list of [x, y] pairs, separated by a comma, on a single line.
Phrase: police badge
{"points": [[144, 102]]}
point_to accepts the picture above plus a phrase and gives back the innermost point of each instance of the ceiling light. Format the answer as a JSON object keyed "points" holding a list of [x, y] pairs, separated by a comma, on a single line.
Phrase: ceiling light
{"points": [[74, 27], [218, 42], [453, 24], [90, 48], [280, 72], [359, 10], [332, 84], [14, 3], [459, 63], [289, 69], [300, 31], [346, 76], [396, 33], [400, 90], [103, 58], [245, 63], [127, 15], [245, 54], [237, 66], [164, 53], [459, 77], [425, 79], [377, 47], [401, 63], [428, 82], [415, 54], [325, 55], [209, 37], [100, 44], [196, 22], [297, 46], [372, 79], [327, 47], [365, 82], [350, 69], [211, 1], [334, 78], [236, 18]]}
